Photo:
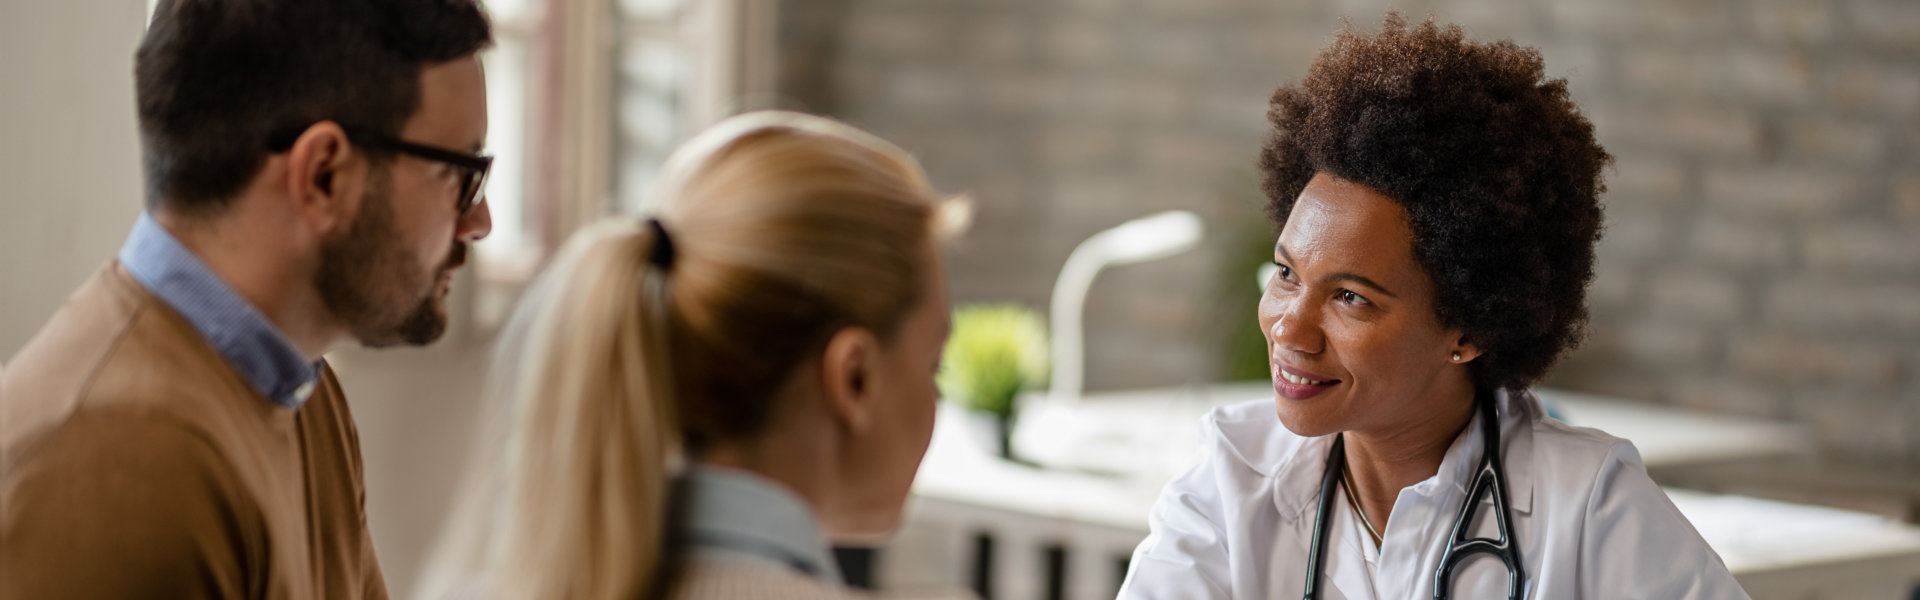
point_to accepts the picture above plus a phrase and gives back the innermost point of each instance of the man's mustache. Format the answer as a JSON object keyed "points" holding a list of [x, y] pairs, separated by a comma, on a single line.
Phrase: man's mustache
{"points": [[456, 257]]}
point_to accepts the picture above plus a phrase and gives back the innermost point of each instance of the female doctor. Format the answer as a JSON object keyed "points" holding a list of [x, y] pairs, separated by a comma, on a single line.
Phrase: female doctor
{"points": [[1437, 201]]}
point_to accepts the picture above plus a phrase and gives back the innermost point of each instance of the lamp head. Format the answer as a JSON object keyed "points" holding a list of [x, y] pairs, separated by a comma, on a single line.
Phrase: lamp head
{"points": [[1148, 238]]}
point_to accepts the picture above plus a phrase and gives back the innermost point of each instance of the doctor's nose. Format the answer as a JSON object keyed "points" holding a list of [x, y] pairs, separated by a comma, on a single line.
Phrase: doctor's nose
{"points": [[1292, 333]]}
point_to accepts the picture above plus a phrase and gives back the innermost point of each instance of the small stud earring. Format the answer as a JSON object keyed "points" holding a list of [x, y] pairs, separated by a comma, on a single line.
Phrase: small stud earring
{"points": [[1456, 357]]}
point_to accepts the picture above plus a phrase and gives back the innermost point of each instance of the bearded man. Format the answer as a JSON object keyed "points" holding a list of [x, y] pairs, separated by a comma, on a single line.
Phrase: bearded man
{"points": [[313, 178]]}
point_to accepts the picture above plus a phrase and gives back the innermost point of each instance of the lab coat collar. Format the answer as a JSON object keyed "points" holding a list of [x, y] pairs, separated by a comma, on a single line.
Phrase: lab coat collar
{"points": [[1295, 464]]}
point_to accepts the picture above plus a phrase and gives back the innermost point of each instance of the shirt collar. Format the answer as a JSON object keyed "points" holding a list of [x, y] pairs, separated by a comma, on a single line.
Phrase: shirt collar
{"points": [[249, 343], [737, 515], [1296, 476]]}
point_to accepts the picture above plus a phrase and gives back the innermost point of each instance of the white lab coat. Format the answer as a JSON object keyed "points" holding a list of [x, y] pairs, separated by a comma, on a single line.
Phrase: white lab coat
{"points": [[1591, 524]]}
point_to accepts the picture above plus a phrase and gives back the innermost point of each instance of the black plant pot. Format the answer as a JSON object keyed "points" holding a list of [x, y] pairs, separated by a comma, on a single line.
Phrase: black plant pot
{"points": [[1003, 434]]}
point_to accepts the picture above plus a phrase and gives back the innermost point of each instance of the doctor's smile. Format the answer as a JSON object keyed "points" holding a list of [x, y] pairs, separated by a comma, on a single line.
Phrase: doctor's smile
{"points": [[1294, 384]]}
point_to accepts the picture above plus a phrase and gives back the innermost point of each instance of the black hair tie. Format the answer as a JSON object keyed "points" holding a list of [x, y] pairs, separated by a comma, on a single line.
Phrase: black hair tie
{"points": [[662, 245]]}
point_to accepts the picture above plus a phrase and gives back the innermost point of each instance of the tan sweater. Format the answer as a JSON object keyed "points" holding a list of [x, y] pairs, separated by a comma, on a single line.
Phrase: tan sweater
{"points": [[134, 463]]}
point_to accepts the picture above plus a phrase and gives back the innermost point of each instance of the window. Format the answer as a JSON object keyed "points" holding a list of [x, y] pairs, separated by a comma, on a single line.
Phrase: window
{"points": [[510, 251], [682, 65], [592, 95]]}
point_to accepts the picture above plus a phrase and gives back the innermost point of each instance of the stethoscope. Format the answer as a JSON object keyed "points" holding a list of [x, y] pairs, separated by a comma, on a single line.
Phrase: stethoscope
{"points": [[1491, 478]]}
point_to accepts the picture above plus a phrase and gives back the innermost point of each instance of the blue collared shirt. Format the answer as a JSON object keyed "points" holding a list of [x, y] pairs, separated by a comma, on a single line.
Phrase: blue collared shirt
{"points": [[250, 343], [734, 515]]}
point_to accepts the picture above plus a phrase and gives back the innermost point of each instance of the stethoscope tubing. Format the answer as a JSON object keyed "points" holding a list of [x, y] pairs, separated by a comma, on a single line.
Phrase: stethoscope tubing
{"points": [[1316, 553], [1490, 477]]}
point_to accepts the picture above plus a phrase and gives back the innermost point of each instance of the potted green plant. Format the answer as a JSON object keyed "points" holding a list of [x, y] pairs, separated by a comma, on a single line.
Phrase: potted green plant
{"points": [[994, 352]]}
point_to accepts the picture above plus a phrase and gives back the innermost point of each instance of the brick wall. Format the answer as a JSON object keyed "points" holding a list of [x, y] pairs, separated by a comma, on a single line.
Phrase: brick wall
{"points": [[1762, 254]]}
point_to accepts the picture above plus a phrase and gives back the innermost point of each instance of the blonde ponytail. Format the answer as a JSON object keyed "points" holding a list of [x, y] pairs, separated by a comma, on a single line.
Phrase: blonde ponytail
{"points": [[784, 228], [576, 503]]}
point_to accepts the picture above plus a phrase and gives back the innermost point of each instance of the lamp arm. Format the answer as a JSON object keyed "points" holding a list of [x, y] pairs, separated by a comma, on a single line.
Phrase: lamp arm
{"points": [[1065, 320]]}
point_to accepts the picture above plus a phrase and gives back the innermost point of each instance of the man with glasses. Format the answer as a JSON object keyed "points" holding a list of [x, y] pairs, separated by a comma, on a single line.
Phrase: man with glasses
{"points": [[313, 177]]}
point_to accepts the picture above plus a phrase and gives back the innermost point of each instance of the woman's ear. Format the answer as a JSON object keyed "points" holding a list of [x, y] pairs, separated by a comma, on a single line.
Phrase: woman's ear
{"points": [[1463, 351], [325, 176], [847, 370]]}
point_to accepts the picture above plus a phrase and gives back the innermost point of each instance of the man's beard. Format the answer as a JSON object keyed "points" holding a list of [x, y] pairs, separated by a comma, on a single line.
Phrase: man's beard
{"points": [[368, 281]]}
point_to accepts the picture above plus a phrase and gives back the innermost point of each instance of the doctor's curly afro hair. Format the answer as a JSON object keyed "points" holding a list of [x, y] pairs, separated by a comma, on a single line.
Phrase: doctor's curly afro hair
{"points": [[1498, 171]]}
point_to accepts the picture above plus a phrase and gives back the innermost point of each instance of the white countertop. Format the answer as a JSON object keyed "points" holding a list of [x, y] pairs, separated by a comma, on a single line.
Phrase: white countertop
{"points": [[1132, 443]]}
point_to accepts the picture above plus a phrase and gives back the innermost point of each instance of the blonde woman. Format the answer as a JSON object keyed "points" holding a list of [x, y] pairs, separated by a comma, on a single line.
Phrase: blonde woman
{"points": [[698, 401]]}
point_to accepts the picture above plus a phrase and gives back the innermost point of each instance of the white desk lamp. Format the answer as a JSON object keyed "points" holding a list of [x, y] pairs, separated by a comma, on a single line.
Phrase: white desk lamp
{"points": [[1048, 431]]}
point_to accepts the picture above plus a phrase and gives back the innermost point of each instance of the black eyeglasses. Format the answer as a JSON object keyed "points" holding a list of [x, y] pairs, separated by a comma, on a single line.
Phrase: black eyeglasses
{"points": [[473, 168]]}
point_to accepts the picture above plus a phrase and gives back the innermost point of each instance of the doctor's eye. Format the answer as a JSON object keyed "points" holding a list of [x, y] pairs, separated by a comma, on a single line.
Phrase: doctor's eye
{"points": [[1349, 297], [1285, 272]]}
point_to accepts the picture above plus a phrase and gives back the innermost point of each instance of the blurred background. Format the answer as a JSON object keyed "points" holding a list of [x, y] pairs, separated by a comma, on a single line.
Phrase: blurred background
{"points": [[1761, 259]]}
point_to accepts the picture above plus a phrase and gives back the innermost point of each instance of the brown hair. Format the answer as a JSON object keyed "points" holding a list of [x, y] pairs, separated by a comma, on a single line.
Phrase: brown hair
{"points": [[220, 83]]}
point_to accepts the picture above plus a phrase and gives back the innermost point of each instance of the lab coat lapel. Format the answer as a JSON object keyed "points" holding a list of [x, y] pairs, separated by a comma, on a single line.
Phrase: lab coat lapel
{"points": [[1346, 558], [1345, 576], [1418, 520], [1296, 497]]}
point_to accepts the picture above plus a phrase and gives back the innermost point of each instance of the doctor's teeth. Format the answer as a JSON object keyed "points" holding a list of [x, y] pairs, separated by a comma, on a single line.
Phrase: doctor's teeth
{"points": [[1300, 380]]}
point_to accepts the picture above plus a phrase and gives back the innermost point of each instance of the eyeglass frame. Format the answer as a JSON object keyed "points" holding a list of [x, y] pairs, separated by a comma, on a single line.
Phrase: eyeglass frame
{"points": [[476, 167]]}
